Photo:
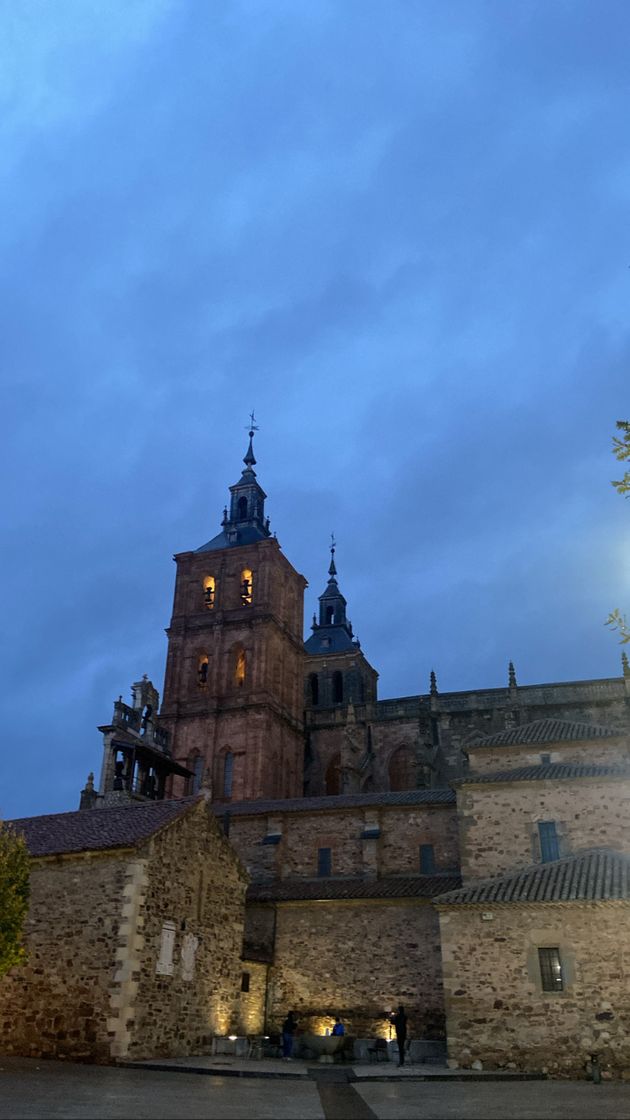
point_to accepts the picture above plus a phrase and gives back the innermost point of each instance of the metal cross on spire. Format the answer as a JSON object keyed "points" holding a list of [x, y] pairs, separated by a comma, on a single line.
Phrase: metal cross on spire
{"points": [[253, 426]]}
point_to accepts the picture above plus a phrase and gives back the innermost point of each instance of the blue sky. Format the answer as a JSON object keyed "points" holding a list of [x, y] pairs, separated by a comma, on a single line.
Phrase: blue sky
{"points": [[399, 231]]}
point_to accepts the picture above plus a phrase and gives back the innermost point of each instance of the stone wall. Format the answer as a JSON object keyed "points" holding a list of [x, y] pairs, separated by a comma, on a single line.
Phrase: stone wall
{"points": [[357, 960], [602, 752], [495, 1007], [252, 1006], [498, 821], [395, 852], [57, 1004], [99, 923]]}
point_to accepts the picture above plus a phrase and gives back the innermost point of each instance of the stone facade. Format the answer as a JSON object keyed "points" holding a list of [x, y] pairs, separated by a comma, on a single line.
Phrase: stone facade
{"points": [[496, 1010], [498, 821], [133, 951]]}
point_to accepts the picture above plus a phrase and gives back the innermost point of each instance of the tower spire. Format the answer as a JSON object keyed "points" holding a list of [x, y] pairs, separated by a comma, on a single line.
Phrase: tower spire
{"points": [[249, 458], [332, 571]]}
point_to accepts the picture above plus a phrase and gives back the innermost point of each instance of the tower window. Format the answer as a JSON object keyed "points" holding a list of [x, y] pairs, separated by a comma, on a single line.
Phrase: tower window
{"points": [[329, 615], [228, 774], [551, 976], [209, 587], [313, 681], [324, 862], [333, 776], [549, 841], [337, 684], [194, 763], [202, 669], [241, 509], [241, 668], [247, 586]]}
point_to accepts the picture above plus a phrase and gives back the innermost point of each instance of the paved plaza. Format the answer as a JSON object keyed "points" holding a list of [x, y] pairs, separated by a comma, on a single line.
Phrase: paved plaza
{"points": [[32, 1089]]}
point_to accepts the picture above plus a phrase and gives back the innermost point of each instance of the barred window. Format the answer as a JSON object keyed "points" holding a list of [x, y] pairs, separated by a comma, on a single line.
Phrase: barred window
{"points": [[550, 970], [549, 842]]}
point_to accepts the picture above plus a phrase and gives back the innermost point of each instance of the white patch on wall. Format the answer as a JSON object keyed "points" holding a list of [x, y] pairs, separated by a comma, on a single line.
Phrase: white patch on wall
{"points": [[189, 950], [164, 963]]}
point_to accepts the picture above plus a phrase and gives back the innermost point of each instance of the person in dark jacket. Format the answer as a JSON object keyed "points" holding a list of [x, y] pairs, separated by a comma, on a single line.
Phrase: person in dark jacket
{"points": [[289, 1028], [399, 1022]]}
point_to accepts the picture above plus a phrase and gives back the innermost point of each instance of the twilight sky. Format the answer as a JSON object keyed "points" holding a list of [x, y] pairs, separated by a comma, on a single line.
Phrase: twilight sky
{"points": [[399, 231]]}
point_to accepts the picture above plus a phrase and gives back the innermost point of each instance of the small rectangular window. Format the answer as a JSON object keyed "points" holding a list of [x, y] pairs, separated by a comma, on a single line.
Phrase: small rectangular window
{"points": [[545, 759], [549, 844], [427, 859], [324, 861], [550, 970], [245, 982]]}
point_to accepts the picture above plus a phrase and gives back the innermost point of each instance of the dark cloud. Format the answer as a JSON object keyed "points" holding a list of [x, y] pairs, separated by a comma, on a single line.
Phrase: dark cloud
{"points": [[401, 240]]}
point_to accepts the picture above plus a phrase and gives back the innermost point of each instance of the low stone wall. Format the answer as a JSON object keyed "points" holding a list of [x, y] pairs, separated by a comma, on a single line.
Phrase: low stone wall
{"points": [[496, 1010], [359, 960]]}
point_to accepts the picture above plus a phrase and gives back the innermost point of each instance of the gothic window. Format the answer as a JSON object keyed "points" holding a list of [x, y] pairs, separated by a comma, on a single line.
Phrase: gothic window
{"points": [[551, 976], [209, 589], [241, 668], [194, 763], [324, 862], [247, 587], [337, 686], [427, 859], [202, 670], [402, 770], [228, 774], [313, 681], [241, 509], [333, 776], [549, 841]]}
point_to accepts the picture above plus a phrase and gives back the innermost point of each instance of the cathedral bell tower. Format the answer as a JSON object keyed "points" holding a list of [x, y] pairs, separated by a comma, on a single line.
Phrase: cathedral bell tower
{"points": [[233, 693]]}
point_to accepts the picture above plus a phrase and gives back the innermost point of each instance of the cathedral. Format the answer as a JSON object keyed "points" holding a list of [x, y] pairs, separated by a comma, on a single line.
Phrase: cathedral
{"points": [[466, 853]]}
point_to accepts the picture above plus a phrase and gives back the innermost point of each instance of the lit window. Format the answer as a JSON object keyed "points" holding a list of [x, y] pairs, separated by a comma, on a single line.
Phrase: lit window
{"points": [[202, 669], [246, 587], [550, 970], [209, 587], [241, 668]]}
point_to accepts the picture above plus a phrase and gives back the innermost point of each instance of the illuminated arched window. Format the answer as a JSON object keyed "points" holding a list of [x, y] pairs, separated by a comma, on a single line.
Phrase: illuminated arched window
{"points": [[337, 686], [402, 769], [241, 668], [202, 669], [333, 776], [247, 587], [228, 774], [209, 588]]}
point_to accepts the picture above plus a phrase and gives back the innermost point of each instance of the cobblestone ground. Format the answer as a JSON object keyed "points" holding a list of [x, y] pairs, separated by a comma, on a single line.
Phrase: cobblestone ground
{"points": [[36, 1090]]}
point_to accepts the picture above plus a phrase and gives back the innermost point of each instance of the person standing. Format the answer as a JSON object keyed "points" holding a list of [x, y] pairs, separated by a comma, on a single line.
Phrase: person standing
{"points": [[338, 1027], [289, 1028], [399, 1022]]}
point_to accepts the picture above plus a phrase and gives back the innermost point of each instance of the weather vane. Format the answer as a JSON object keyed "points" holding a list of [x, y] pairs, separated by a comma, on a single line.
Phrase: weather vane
{"points": [[333, 542], [253, 426]]}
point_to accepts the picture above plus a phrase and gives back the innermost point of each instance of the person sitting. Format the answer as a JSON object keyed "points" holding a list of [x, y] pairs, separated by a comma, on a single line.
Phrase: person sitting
{"points": [[338, 1027]]}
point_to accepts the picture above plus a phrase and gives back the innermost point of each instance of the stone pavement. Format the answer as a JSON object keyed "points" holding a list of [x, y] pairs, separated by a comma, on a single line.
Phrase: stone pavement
{"points": [[33, 1089]]}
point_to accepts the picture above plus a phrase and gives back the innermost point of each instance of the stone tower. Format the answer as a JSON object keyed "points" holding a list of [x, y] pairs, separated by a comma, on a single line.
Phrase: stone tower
{"points": [[233, 692]]}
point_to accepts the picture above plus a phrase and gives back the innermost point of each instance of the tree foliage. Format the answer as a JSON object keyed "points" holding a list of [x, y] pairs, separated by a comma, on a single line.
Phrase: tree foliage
{"points": [[14, 892], [621, 450]]}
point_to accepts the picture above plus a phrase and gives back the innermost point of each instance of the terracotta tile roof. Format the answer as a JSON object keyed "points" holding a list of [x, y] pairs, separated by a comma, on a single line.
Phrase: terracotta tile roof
{"points": [[545, 731], [555, 771], [407, 886], [97, 829], [595, 875], [340, 801]]}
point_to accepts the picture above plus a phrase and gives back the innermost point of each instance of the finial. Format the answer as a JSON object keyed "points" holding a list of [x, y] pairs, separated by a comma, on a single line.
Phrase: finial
{"points": [[89, 785], [332, 571], [511, 675], [249, 459], [225, 516], [433, 686], [314, 623], [624, 664]]}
